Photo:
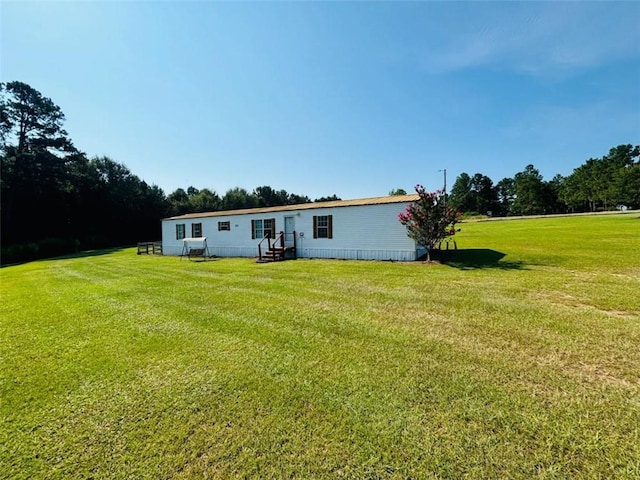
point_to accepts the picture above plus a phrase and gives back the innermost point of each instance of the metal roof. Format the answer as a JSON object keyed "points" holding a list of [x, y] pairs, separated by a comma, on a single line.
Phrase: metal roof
{"points": [[302, 206]]}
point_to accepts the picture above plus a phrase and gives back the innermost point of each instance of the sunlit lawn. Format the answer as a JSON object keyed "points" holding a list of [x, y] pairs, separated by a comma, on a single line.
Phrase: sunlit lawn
{"points": [[518, 356]]}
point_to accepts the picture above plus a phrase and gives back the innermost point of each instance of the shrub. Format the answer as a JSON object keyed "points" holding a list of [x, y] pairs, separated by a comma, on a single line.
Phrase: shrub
{"points": [[429, 220]]}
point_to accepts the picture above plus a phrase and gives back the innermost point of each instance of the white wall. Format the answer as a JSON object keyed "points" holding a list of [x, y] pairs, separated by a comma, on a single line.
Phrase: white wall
{"points": [[370, 232]]}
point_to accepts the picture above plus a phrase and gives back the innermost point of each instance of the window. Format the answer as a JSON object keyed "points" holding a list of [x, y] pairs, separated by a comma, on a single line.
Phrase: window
{"points": [[180, 231], [269, 227], [224, 226], [323, 226], [262, 228], [196, 230]]}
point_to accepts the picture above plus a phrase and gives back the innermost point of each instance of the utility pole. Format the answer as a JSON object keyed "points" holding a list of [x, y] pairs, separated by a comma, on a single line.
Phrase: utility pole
{"points": [[445, 184]]}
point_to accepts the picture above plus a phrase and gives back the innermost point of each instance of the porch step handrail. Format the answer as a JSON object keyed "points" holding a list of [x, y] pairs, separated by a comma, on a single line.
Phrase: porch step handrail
{"points": [[272, 248]]}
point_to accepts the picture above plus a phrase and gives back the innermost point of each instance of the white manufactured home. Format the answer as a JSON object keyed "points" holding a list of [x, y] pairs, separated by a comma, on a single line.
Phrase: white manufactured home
{"points": [[366, 229]]}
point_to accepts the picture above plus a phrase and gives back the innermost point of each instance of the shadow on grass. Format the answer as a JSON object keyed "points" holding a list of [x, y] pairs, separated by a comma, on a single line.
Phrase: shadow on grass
{"points": [[475, 258], [85, 253], [90, 253], [202, 259]]}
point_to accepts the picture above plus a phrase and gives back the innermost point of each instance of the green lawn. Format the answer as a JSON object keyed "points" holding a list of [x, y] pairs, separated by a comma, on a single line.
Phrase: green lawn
{"points": [[517, 356]]}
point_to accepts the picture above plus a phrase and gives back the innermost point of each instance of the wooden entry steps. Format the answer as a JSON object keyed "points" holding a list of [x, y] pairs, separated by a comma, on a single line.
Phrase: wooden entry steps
{"points": [[276, 250], [277, 254]]}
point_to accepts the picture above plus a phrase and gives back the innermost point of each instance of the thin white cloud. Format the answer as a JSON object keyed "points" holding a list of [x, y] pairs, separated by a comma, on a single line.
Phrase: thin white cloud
{"points": [[538, 38]]}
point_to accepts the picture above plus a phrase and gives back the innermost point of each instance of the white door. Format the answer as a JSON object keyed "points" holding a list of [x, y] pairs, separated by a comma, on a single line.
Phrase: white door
{"points": [[289, 230]]}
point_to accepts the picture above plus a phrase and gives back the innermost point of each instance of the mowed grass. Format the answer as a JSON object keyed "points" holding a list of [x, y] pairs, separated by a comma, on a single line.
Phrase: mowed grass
{"points": [[517, 356]]}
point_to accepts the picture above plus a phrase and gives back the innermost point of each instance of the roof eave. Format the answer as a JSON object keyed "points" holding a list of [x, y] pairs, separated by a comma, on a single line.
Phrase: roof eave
{"points": [[300, 206]]}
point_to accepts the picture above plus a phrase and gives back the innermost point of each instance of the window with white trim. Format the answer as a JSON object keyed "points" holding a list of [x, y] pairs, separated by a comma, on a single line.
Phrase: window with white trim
{"points": [[196, 230], [263, 227], [224, 226], [180, 230], [323, 226]]}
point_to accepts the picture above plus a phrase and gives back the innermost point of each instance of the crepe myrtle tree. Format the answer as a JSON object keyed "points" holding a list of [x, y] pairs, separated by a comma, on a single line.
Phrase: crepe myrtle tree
{"points": [[429, 220]]}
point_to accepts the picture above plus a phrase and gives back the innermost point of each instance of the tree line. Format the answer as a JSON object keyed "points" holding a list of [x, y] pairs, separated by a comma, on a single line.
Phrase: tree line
{"points": [[194, 200], [607, 183], [54, 199]]}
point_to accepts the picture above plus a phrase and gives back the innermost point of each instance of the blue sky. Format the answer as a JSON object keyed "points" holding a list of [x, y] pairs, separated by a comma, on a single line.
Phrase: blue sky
{"points": [[321, 98]]}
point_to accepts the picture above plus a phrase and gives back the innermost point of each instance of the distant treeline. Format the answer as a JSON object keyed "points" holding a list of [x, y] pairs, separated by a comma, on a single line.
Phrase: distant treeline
{"points": [[54, 199], [607, 183], [193, 200]]}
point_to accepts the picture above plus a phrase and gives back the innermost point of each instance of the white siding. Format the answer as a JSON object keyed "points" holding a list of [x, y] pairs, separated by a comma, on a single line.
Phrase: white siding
{"points": [[361, 232]]}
